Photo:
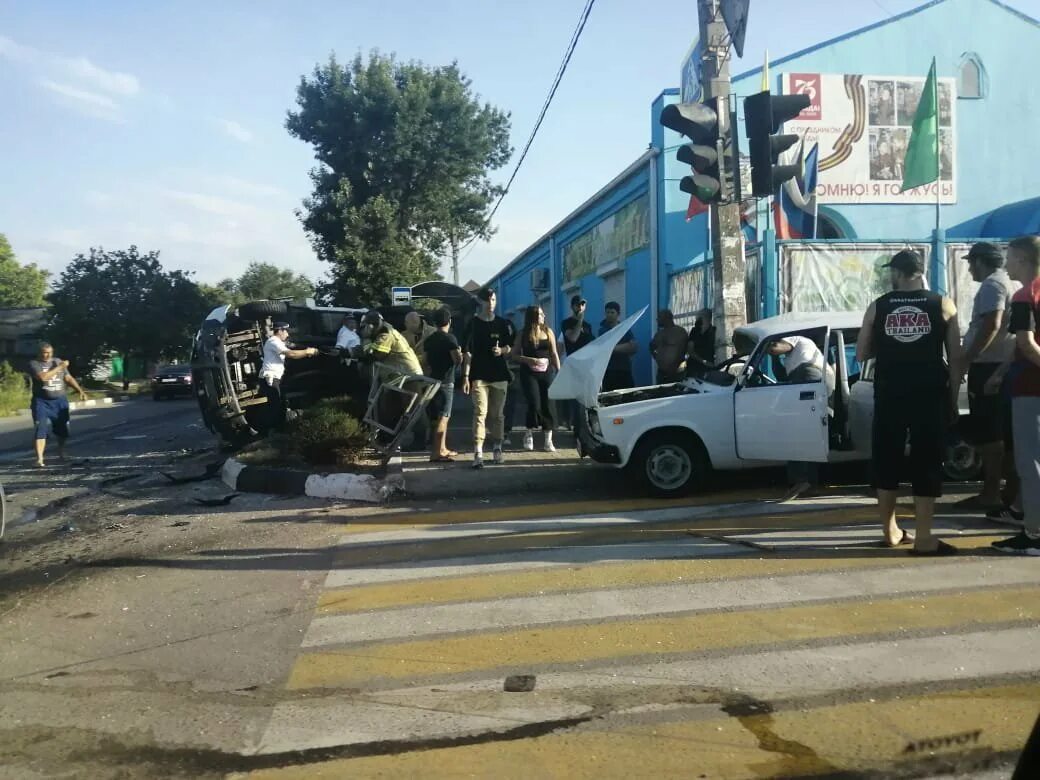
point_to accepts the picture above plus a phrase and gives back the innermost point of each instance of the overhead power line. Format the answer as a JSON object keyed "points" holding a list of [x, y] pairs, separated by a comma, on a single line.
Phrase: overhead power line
{"points": [[541, 115]]}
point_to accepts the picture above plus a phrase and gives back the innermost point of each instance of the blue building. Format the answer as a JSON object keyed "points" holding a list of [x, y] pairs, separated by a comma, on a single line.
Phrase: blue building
{"points": [[631, 241]]}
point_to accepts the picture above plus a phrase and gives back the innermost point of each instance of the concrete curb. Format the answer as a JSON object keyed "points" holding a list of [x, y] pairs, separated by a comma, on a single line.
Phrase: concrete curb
{"points": [[92, 403], [349, 487]]}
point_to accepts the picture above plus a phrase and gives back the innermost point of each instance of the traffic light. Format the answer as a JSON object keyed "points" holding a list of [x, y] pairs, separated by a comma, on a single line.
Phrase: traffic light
{"points": [[711, 155], [763, 116]]}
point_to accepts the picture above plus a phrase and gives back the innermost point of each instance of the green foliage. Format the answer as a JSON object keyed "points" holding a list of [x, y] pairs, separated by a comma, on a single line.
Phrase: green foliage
{"points": [[14, 390], [260, 281], [21, 286], [123, 301], [328, 433], [404, 152]]}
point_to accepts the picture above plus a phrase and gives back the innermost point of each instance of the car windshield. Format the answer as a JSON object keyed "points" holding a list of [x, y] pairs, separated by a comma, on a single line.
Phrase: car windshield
{"points": [[177, 369]]}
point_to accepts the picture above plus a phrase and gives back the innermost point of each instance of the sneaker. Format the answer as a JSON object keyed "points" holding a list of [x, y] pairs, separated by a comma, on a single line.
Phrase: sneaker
{"points": [[549, 446], [478, 462], [496, 456], [528, 441], [1006, 515], [1022, 544]]}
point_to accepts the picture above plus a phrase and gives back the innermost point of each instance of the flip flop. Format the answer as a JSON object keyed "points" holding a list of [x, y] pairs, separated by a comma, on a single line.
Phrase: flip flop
{"points": [[942, 550], [904, 539]]}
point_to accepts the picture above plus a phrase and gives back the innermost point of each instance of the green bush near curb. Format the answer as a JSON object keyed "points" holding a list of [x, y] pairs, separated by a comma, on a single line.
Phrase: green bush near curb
{"points": [[328, 433], [14, 390]]}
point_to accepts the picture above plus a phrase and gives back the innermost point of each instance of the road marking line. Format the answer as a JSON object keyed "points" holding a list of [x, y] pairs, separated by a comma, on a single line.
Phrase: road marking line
{"points": [[859, 736], [618, 603], [425, 712], [544, 645]]}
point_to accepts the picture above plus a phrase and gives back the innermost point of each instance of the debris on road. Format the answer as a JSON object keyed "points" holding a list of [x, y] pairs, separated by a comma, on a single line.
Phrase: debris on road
{"points": [[519, 683], [216, 501]]}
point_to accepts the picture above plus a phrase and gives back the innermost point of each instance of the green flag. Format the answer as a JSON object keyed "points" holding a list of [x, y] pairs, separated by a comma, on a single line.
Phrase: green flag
{"points": [[921, 165]]}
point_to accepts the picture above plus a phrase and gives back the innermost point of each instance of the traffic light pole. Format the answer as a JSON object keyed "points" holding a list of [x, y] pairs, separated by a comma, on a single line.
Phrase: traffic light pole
{"points": [[729, 306]]}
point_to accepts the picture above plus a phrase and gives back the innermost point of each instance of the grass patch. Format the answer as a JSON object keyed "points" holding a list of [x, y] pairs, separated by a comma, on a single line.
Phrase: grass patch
{"points": [[14, 390]]}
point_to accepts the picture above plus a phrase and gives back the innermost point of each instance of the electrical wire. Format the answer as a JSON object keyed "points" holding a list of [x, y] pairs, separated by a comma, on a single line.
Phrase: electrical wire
{"points": [[538, 123]]}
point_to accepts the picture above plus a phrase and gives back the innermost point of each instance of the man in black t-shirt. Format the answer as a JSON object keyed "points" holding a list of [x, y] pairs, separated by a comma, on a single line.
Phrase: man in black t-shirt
{"points": [[486, 375], [577, 333], [443, 355], [50, 406], [915, 394]]}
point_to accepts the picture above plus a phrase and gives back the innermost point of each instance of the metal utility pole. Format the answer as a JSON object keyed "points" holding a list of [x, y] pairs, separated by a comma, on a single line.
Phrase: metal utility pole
{"points": [[729, 307]]}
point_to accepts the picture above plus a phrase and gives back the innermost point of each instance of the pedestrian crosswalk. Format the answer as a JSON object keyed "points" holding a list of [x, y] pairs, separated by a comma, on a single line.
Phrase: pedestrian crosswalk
{"points": [[738, 640]]}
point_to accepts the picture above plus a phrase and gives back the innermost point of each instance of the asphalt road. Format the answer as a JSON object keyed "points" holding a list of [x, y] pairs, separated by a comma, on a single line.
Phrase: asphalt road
{"points": [[101, 425]]}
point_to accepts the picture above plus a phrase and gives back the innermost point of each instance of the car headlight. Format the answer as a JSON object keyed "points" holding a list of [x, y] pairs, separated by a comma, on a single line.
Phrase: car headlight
{"points": [[594, 423]]}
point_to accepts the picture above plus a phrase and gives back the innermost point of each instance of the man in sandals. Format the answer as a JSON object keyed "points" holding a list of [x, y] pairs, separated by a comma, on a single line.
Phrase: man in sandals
{"points": [[905, 332], [50, 406]]}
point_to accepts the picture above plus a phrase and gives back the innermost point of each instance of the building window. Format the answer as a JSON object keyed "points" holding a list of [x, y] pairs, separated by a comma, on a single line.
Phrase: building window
{"points": [[971, 80], [614, 290]]}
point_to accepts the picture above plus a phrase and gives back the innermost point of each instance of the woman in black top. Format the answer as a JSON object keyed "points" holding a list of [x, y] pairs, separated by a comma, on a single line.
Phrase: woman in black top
{"points": [[535, 351]]}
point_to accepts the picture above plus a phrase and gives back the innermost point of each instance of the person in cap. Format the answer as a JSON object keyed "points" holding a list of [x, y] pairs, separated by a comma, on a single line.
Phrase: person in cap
{"points": [[576, 331], [619, 370], [987, 346], [347, 339], [273, 369], [387, 345], [915, 392]]}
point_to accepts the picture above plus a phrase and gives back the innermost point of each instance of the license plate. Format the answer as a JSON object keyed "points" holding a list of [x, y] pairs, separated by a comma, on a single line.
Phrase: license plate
{"points": [[167, 380]]}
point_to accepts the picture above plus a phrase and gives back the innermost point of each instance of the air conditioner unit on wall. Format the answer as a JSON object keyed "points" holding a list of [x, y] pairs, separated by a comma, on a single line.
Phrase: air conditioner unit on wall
{"points": [[540, 279]]}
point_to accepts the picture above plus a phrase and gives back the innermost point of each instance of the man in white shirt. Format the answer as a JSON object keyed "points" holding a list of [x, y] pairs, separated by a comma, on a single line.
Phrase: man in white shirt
{"points": [[273, 369], [348, 339]]}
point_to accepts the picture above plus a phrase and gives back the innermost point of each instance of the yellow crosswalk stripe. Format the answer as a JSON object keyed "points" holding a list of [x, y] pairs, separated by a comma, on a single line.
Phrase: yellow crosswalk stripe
{"points": [[610, 574], [606, 640], [859, 736], [483, 514], [376, 554]]}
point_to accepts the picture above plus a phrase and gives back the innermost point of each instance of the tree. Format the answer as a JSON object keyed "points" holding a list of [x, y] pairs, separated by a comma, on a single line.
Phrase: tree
{"points": [[263, 281], [124, 302], [21, 286], [404, 152], [260, 281]]}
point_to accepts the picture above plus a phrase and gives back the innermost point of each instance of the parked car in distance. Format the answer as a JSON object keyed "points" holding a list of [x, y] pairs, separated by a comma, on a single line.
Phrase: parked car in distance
{"points": [[171, 382]]}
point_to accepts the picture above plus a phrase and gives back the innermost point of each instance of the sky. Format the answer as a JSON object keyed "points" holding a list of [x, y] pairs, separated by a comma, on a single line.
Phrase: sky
{"points": [[163, 124]]}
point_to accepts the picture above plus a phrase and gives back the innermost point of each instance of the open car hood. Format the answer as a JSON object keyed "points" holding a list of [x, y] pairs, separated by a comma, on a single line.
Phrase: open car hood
{"points": [[581, 376]]}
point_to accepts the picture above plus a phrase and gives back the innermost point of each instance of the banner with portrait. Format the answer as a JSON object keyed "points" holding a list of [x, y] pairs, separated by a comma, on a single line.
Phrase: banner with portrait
{"points": [[863, 126]]}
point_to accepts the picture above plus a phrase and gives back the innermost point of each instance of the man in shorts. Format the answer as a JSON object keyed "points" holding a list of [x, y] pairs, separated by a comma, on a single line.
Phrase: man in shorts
{"points": [[905, 332], [49, 405], [443, 356]]}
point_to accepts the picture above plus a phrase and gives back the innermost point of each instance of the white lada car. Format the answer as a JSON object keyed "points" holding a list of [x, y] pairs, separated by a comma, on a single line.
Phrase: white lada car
{"points": [[746, 413]]}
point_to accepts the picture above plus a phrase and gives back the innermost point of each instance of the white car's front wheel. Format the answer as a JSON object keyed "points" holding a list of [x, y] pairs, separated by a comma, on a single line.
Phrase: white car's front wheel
{"points": [[669, 463]]}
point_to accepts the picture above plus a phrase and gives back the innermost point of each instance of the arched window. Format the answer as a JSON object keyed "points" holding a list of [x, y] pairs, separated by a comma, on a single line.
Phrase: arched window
{"points": [[971, 77]]}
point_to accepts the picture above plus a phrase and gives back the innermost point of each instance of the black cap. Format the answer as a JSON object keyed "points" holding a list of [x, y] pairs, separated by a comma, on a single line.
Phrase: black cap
{"points": [[280, 326], [907, 261], [576, 300], [988, 253]]}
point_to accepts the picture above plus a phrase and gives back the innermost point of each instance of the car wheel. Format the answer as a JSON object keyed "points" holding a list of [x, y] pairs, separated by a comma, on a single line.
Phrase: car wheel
{"points": [[962, 462], [669, 463], [257, 310]]}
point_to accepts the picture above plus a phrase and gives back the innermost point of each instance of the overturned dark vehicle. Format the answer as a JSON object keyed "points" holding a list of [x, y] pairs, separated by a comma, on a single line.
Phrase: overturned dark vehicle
{"points": [[228, 353]]}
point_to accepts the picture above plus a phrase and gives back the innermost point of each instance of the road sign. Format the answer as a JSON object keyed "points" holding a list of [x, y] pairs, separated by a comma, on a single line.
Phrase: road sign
{"points": [[401, 296]]}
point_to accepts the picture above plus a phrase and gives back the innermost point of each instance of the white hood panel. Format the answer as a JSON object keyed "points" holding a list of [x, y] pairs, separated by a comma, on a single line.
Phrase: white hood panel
{"points": [[581, 376]]}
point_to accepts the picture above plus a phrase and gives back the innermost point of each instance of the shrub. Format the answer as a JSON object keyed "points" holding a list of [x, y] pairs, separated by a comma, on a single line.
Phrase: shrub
{"points": [[328, 434], [14, 390]]}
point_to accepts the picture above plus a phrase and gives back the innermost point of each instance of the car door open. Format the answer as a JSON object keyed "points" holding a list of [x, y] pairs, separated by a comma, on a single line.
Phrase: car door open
{"points": [[780, 404]]}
